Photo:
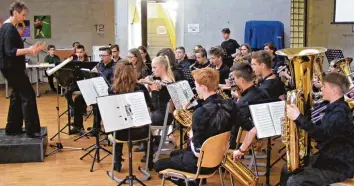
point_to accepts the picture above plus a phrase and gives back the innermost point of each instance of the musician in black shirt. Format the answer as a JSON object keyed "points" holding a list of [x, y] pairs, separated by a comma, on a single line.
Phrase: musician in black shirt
{"points": [[277, 60], [261, 64], [184, 64], [23, 104], [243, 79], [216, 55], [105, 69], [204, 125], [201, 60], [230, 46], [334, 136]]}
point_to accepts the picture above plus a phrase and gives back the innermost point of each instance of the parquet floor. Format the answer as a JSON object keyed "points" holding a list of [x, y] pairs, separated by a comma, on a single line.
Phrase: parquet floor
{"points": [[65, 167]]}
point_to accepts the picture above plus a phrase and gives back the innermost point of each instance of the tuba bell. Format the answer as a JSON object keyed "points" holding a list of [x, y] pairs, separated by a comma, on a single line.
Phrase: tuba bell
{"points": [[343, 65], [302, 62]]}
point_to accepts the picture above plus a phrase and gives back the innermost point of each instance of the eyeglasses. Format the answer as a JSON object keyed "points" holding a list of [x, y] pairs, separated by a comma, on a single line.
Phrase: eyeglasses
{"points": [[130, 57]]}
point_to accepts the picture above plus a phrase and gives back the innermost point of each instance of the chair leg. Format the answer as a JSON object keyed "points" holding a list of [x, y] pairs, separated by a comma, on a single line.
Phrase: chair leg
{"points": [[163, 181], [161, 143], [220, 175], [200, 181], [186, 182]]}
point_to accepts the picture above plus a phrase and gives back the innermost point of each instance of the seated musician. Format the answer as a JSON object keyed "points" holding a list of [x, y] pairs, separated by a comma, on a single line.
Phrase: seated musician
{"points": [[334, 136], [115, 53], [105, 68], [135, 57], [261, 63], [203, 125], [159, 93], [51, 58], [79, 56], [175, 68], [125, 81], [216, 56], [243, 79], [277, 60], [243, 54], [184, 64], [201, 60]]}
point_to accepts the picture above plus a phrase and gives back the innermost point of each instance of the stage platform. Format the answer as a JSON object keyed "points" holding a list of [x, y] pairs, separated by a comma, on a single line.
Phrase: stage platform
{"points": [[21, 149]]}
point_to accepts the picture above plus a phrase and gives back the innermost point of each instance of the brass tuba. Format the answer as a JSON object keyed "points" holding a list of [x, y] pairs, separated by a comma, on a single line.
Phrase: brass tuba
{"points": [[343, 65], [302, 61], [239, 171]]}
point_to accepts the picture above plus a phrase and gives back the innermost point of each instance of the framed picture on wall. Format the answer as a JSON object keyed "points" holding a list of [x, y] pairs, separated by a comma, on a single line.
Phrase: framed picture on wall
{"points": [[42, 27]]}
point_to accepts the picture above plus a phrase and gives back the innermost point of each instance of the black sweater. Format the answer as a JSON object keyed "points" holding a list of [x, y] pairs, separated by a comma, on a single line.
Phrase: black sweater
{"points": [[10, 41]]}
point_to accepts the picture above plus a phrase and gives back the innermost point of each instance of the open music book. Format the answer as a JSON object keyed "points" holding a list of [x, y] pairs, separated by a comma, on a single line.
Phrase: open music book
{"points": [[93, 88], [267, 118], [181, 94], [123, 111]]}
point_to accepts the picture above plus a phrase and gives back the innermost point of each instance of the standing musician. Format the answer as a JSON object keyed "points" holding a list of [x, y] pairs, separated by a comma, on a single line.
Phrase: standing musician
{"points": [[243, 79], [261, 64], [125, 81], [23, 104], [216, 54], [105, 68], [201, 60], [204, 126], [334, 136], [230, 46]]}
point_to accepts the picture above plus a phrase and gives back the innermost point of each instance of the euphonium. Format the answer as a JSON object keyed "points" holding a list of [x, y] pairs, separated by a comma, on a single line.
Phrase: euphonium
{"points": [[184, 116], [240, 172], [343, 65], [301, 66]]}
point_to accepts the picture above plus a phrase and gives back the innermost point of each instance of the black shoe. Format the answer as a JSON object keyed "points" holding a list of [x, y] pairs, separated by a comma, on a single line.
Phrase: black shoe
{"points": [[14, 133], [35, 135], [117, 167], [76, 131], [93, 132]]}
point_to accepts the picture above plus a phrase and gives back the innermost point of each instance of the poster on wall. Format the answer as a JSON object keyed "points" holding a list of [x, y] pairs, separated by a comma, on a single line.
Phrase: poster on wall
{"points": [[1, 21], [24, 28], [42, 27]]}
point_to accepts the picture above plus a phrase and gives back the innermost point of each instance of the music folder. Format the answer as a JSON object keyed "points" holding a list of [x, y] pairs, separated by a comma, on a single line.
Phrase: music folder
{"points": [[267, 116], [181, 94], [93, 88], [123, 111]]}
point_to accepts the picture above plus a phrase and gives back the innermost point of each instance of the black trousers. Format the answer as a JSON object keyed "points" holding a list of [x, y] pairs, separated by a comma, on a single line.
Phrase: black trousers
{"points": [[51, 83], [79, 108], [310, 176], [69, 93], [23, 104]]}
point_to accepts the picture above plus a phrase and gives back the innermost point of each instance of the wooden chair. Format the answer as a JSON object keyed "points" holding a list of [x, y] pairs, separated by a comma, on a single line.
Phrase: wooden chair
{"points": [[212, 153], [164, 130]]}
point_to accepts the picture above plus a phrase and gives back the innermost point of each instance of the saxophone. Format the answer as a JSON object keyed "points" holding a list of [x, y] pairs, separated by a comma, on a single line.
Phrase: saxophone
{"points": [[240, 171], [302, 67]]}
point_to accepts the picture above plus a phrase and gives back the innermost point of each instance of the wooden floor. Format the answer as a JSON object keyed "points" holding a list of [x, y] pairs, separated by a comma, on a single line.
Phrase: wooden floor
{"points": [[65, 167]]}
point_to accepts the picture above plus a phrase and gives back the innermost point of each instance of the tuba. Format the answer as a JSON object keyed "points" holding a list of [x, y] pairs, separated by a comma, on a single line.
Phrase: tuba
{"points": [[239, 171], [343, 65], [302, 61]]}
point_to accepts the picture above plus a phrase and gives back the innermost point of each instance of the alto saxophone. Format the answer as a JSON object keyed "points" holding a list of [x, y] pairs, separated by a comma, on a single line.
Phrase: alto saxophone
{"points": [[302, 67], [240, 171]]}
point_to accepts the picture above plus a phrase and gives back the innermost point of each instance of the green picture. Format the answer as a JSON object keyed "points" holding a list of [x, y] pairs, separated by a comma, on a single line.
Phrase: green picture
{"points": [[42, 27]]}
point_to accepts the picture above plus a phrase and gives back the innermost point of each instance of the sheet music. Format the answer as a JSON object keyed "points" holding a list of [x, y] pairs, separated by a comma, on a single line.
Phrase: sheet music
{"points": [[277, 110], [262, 120], [138, 108], [100, 85], [88, 91], [181, 93], [112, 113]]}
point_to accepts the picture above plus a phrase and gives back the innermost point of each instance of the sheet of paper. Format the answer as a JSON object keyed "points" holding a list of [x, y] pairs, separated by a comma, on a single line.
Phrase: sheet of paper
{"points": [[100, 85], [138, 108], [113, 113], [88, 91], [262, 120], [277, 110], [181, 94]]}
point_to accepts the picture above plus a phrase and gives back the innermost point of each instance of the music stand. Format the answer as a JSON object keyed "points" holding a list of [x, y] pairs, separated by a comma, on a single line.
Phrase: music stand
{"points": [[332, 54], [67, 74]]}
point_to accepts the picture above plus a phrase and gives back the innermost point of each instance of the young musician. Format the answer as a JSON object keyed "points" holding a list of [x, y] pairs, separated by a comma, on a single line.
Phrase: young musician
{"points": [[80, 54], [243, 79], [261, 64], [105, 68], [134, 57], [230, 46], [146, 58], [201, 60], [23, 104], [177, 71], [51, 58], [125, 81], [115, 53], [277, 61], [216, 54], [204, 125], [184, 64], [243, 54], [334, 136]]}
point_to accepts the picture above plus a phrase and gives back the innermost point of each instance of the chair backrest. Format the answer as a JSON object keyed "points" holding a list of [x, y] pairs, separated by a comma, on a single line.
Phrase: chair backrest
{"points": [[213, 150]]}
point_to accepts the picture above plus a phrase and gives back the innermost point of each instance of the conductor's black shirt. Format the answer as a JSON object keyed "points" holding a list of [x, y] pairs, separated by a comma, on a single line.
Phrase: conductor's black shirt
{"points": [[10, 41]]}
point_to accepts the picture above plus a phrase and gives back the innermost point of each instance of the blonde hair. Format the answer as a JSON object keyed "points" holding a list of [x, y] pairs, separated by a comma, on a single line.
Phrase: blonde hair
{"points": [[164, 60]]}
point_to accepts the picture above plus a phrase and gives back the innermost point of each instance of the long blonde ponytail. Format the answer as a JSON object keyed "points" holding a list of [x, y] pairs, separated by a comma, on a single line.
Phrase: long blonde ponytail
{"points": [[164, 60]]}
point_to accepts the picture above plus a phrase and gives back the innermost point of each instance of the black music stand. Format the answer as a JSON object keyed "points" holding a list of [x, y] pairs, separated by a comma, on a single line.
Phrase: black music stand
{"points": [[67, 76], [332, 54]]}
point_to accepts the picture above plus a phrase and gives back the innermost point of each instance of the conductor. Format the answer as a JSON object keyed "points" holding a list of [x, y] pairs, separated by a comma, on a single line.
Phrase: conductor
{"points": [[12, 65]]}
